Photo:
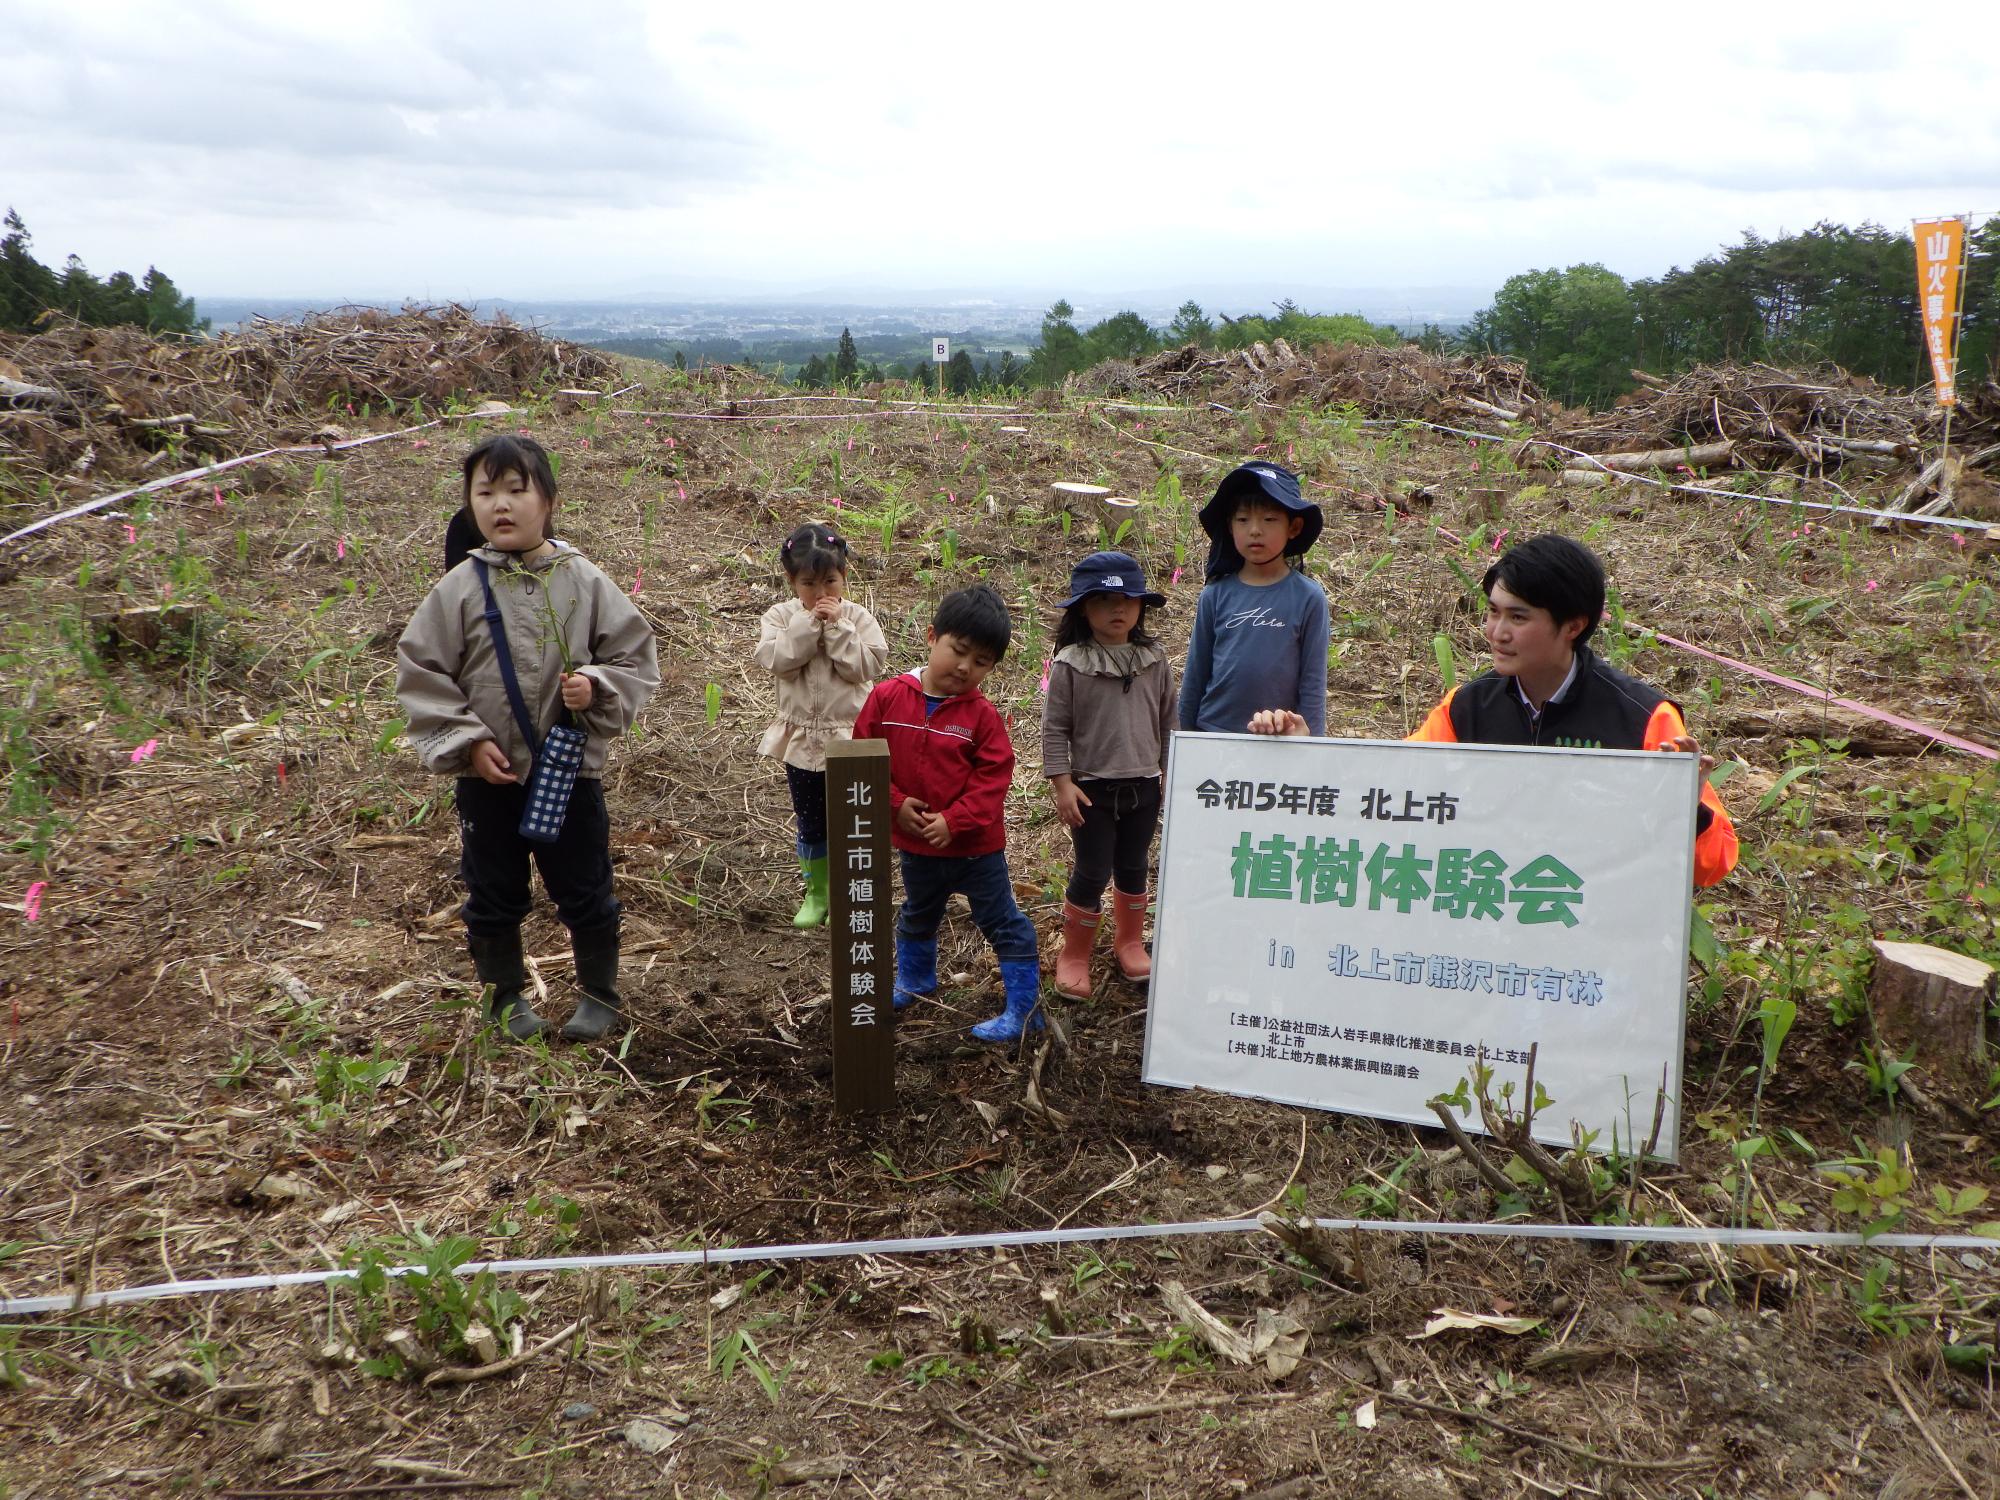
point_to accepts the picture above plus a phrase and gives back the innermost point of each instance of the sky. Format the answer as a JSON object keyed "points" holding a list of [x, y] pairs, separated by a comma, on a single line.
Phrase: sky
{"points": [[624, 149]]}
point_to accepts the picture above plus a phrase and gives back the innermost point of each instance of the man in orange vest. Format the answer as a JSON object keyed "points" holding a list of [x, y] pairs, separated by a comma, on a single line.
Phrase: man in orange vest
{"points": [[1544, 598]]}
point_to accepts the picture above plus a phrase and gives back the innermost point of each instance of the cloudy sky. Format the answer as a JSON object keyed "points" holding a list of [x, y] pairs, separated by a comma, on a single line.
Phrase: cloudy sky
{"points": [[379, 149]]}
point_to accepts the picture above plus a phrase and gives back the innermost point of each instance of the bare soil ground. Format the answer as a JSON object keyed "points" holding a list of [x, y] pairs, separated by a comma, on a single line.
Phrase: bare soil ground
{"points": [[241, 1035]]}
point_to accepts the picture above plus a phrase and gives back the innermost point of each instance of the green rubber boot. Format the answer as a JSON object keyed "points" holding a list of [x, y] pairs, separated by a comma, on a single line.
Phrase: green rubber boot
{"points": [[812, 911]]}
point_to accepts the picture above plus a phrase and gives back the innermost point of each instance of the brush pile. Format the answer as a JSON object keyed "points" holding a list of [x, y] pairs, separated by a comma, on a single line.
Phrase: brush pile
{"points": [[1404, 382], [107, 404], [1775, 418]]}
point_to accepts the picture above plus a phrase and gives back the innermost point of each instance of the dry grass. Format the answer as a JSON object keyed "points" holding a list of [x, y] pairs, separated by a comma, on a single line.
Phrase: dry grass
{"points": [[236, 928]]}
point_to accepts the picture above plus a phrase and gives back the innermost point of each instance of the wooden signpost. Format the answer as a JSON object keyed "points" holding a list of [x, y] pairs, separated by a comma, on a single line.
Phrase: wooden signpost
{"points": [[862, 923]]}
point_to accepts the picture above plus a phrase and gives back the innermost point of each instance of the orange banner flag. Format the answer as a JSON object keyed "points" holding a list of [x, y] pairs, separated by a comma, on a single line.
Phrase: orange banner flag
{"points": [[1940, 268]]}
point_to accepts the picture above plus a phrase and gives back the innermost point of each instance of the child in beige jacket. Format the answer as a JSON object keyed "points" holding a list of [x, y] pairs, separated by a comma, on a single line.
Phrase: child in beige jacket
{"points": [[825, 651], [580, 650]]}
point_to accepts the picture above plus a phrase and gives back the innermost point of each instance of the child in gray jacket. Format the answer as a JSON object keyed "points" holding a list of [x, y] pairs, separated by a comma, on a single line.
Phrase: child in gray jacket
{"points": [[1106, 722], [580, 649]]}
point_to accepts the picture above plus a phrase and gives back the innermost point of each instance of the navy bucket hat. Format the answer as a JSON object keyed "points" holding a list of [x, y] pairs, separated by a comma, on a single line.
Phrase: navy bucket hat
{"points": [[1109, 573], [1255, 481]]}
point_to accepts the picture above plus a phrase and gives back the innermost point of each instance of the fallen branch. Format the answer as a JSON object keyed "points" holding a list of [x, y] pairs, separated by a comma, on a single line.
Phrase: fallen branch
{"points": [[464, 1374], [1019, 1452], [1903, 1400], [1665, 458], [1547, 1440]]}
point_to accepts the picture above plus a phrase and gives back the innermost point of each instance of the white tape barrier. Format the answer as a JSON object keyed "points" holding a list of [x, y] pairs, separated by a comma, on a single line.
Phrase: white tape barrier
{"points": [[189, 476], [1641, 1234], [1694, 489]]}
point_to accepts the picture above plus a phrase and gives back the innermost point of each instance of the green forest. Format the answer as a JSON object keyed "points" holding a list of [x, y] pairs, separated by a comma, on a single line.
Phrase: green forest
{"points": [[1829, 295], [29, 290]]}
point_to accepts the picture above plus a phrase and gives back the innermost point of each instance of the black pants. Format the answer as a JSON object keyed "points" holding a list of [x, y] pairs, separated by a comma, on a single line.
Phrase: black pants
{"points": [[493, 858], [1116, 839], [809, 808]]}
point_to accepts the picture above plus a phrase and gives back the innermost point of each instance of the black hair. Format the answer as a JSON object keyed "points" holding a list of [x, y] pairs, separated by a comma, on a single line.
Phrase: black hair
{"points": [[1224, 560], [813, 551], [507, 454], [1554, 573], [977, 616], [1074, 630]]}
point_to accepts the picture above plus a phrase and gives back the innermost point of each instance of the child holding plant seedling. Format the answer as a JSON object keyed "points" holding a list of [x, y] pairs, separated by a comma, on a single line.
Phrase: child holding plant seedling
{"points": [[1260, 630], [528, 633], [1106, 722], [824, 651], [950, 765]]}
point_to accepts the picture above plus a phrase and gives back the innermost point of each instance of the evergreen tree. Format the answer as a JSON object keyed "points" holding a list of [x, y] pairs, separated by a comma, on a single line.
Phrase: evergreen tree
{"points": [[28, 289], [813, 376], [959, 373], [1191, 326], [846, 360], [873, 374], [1062, 352], [27, 286], [1009, 372]]}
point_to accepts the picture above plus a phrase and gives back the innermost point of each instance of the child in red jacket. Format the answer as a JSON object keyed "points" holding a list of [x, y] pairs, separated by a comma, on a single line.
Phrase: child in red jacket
{"points": [[950, 765]]}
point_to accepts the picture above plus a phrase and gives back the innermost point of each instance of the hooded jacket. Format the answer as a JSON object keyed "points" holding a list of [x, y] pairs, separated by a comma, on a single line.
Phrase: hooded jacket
{"points": [[448, 676], [957, 761], [823, 672], [1601, 708]]}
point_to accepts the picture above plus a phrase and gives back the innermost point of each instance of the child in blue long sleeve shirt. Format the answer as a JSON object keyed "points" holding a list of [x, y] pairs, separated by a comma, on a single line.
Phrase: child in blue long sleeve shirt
{"points": [[1260, 630]]}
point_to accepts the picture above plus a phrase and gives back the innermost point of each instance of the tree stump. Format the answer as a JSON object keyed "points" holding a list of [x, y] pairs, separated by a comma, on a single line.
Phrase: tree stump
{"points": [[1936, 1000]]}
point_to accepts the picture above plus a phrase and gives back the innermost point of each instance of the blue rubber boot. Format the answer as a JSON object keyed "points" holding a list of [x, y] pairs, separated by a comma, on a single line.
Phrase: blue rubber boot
{"points": [[916, 970], [1023, 981]]}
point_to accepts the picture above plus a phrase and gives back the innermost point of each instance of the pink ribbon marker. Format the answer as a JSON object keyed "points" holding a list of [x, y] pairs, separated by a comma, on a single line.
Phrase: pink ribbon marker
{"points": [[680, 492], [218, 498], [850, 445], [340, 547], [1045, 673], [670, 440], [420, 442], [1870, 586], [639, 580], [143, 753], [130, 534], [31, 903], [1176, 578]]}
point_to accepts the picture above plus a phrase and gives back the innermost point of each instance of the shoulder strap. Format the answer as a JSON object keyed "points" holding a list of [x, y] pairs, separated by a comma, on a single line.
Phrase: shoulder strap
{"points": [[506, 659]]}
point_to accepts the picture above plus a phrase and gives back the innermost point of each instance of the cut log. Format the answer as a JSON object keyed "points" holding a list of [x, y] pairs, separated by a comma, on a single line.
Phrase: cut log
{"points": [[1594, 479], [1663, 458], [1916, 487], [1489, 409], [1935, 1000], [1649, 380], [22, 393]]}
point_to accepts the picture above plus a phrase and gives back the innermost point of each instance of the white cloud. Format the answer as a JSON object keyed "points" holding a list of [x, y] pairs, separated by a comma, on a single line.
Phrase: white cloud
{"points": [[374, 148]]}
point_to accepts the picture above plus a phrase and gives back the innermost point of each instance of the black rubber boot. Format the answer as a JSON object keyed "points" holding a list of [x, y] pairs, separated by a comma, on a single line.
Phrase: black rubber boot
{"points": [[596, 955], [497, 957]]}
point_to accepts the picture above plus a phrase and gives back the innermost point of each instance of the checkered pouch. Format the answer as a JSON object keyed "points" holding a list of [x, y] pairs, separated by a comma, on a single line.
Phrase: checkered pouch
{"points": [[558, 757]]}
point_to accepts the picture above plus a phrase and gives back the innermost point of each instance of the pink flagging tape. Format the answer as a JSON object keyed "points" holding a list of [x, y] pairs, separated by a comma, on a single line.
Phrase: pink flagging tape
{"points": [[1943, 737]]}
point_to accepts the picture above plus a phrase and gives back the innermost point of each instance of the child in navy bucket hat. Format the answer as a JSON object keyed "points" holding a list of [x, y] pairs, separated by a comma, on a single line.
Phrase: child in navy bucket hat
{"points": [[1105, 725], [1260, 630]]}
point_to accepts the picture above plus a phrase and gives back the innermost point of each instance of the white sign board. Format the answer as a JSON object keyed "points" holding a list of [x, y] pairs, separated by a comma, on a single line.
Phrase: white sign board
{"points": [[940, 351], [1352, 924]]}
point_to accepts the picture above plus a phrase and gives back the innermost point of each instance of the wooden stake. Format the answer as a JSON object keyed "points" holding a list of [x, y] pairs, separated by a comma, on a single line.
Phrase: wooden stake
{"points": [[862, 922]]}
